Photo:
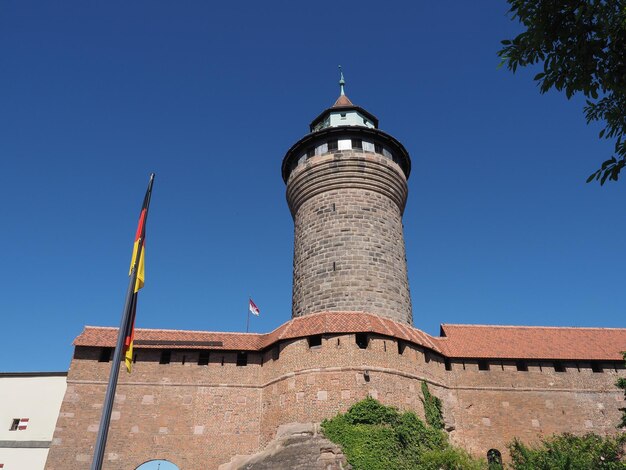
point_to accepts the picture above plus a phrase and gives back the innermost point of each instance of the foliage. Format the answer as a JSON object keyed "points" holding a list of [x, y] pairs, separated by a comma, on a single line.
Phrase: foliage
{"points": [[621, 383], [378, 437], [582, 45], [569, 452], [450, 458], [432, 408]]}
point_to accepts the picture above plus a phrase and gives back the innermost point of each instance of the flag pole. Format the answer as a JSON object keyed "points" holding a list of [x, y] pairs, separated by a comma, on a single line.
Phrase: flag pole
{"points": [[107, 407], [248, 320]]}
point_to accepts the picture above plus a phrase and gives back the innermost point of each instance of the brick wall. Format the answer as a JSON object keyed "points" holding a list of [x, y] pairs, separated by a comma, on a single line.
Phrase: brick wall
{"points": [[349, 249], [200, 416]]}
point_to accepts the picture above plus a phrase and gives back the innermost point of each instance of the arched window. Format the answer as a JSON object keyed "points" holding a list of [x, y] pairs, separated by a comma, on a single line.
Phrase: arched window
{"points": [[157, 465], [494, 458]]}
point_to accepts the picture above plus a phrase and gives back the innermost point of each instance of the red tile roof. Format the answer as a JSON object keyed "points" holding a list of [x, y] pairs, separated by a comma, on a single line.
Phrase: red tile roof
{"points": [[328, 322], [343, 100], [457, 341], [532, 342]]}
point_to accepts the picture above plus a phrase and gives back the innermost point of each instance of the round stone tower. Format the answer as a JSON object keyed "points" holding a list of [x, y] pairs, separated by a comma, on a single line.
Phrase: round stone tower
{"points": [[346, 189]]}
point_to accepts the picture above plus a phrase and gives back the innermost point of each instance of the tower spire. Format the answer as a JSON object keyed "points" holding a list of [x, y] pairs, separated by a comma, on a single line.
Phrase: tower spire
{"points": [[342, 82]]}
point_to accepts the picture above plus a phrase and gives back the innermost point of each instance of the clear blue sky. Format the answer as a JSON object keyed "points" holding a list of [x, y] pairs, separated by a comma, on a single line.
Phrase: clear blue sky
{"points": [[500, 226]]}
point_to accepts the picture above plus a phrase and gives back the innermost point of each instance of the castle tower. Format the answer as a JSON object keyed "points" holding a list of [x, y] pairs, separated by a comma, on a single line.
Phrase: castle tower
{"points": [[346, 189]]}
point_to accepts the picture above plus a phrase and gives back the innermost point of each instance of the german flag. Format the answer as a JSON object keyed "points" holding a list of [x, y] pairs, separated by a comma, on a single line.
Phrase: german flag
{"points": [[137, 269]]}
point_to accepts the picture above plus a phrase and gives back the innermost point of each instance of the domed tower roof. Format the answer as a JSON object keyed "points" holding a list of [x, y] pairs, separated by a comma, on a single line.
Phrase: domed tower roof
{"points": [[343, 113], [342, 101]]}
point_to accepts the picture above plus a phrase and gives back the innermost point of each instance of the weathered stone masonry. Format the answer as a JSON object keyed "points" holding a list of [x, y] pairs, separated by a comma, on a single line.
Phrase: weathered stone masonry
{"points": [[349, 248]]}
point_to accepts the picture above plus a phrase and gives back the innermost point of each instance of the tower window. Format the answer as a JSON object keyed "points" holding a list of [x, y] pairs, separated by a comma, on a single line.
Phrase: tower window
{"points": [[315, 341], [166, 357], [310, 152], [203, 358], [401, 347], [596, 367], [242, 359], [483, 365], [357, 144], [448, 364], [276, 352], [378, 148], [361, 340], [332, 145], [343, 116], [521, 366], [559, 367], [105, 355]]}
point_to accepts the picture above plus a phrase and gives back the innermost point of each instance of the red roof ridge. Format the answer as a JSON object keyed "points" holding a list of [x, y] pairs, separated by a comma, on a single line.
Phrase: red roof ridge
{"points": [[169, 330]]}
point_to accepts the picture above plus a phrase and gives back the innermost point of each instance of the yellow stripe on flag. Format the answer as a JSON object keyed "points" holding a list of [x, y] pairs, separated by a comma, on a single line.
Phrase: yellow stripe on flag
{"points": [[128, 358], [141, 268]]}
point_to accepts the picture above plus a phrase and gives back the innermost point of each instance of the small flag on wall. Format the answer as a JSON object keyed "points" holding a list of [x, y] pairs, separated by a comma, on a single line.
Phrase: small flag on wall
{"points": [[254, 310], [23, 424]]}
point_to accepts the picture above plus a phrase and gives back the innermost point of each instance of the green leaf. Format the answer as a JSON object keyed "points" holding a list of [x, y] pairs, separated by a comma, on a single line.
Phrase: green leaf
{"points": [[604, 177]]}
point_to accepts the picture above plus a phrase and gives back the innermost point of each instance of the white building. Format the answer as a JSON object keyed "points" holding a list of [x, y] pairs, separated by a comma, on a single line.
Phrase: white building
{"points": [[29, 408]]}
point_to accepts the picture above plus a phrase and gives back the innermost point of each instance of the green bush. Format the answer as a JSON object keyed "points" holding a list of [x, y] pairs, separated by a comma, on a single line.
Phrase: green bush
{"points": [[569, 452], [370, 411], [450, 458], [378, 437]]}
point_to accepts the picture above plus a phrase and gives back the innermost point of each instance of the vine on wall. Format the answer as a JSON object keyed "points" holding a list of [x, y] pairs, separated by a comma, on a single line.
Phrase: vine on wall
{"points": [[432, 408], [621, 383]]}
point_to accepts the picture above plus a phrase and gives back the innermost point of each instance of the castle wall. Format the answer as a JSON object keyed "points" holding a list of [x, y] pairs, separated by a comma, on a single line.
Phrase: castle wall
{"points": [[493, 407], [349, 252], [194, 416], [200, 416]]}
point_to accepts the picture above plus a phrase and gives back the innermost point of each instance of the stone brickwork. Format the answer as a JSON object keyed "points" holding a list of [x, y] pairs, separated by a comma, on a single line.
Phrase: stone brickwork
{"points": [[200, 417], [349, 252]]}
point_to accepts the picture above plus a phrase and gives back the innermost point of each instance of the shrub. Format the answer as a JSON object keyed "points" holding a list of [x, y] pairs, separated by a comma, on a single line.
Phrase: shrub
{"points": [[378, 437], [569, 452]]}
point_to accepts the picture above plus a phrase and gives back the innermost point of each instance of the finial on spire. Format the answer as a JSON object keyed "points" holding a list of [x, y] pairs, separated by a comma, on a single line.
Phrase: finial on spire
{"points": [[342, 82]]}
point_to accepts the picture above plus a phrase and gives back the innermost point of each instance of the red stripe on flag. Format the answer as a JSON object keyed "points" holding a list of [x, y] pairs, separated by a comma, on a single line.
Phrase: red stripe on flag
{"points": [[142, 218]]}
